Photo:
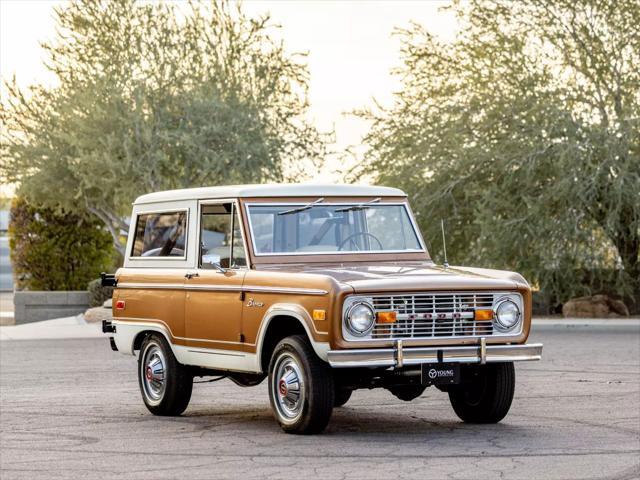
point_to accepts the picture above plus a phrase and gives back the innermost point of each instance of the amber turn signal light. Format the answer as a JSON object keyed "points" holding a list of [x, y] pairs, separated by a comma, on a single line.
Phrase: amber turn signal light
{"points": [[483, 315], [319, 314], [387, 317]]}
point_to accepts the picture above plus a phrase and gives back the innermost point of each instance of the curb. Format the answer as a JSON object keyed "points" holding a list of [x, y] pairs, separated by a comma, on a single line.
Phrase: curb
{"points": [[586, 322]]}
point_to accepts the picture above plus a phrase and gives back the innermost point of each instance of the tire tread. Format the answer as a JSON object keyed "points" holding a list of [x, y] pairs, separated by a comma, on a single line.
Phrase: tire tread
{"points": [[320, 396], [497, 400], [178, 391]]}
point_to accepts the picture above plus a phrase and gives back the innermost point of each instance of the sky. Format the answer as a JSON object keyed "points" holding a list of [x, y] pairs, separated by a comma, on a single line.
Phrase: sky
{"points": [[351, 51]]}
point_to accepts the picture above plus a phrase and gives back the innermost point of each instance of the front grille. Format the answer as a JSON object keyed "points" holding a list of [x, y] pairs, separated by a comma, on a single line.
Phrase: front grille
{"points": [[432, 315]]}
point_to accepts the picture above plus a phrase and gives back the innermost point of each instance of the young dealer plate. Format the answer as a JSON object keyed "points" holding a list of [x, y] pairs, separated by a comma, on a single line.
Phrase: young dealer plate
{"points": [[440, 373]]}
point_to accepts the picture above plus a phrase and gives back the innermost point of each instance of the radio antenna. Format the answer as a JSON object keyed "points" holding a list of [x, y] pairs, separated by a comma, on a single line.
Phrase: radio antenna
{"points": [[444, 244]]}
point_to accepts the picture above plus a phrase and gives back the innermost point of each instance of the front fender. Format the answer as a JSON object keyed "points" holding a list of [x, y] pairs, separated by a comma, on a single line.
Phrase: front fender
{"points": [[301, 315]]}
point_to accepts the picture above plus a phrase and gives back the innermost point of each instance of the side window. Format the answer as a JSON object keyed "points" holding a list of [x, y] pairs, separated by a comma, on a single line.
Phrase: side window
{"points": [[160, 235], [221, 237]]}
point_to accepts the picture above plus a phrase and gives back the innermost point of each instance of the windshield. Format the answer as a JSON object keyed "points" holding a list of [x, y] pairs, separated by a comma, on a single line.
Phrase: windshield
{"points": [[331, 228]]}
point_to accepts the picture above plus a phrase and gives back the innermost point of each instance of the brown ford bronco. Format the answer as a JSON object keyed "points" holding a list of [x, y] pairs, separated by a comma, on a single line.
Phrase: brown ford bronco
{"points": [[320, 289]]}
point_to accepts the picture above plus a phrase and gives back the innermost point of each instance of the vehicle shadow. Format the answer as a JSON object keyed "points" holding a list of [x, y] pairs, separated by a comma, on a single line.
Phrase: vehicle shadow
{"points": [[346, 421], [350, 421]]}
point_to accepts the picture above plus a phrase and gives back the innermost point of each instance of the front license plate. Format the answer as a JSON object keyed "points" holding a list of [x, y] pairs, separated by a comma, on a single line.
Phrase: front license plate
{"points": [[440, 373]]}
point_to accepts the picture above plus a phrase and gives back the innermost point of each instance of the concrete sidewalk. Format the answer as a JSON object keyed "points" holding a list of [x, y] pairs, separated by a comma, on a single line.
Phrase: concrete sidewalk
{"points": [[59, 328], [77, 327]]}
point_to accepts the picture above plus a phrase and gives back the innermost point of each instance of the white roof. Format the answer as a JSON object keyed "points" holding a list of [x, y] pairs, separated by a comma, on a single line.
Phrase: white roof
{"points": [[271, 190]]}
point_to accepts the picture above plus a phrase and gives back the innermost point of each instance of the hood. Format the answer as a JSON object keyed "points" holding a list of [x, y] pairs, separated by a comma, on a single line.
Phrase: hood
{"points": [[409, 276]]}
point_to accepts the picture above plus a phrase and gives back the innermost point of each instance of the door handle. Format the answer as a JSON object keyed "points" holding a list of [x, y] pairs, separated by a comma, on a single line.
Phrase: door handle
{"points": [[190, 275]]}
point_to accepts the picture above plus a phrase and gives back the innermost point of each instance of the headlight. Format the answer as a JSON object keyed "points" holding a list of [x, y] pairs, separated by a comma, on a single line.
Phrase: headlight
{"points": [[360, 319], [507, 315]]}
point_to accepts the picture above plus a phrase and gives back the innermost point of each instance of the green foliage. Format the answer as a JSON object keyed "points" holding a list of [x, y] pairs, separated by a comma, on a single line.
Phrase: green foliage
{"points": [[97, 293], [150, 99], [524, 133], [55, 251]]}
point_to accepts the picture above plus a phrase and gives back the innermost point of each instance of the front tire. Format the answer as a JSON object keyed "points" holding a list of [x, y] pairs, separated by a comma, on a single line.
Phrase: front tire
{"points": [[165, 384], [486, 393], [301, 388]]}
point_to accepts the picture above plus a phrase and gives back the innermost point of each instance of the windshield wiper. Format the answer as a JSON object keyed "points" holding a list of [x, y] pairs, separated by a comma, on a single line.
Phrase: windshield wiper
{"points": [[301, 209], [361, 206]]}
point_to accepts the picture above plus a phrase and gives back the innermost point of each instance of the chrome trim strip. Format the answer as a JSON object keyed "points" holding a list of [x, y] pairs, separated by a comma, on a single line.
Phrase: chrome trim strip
{"points": [[217, 353], [388, 357], [151, 286], [222, 288], [483, 351], [214, 288], [303, 291]]}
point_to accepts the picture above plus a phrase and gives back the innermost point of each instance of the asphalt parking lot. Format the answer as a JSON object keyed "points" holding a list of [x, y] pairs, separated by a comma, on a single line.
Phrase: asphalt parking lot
{"points": [[71, 409]]}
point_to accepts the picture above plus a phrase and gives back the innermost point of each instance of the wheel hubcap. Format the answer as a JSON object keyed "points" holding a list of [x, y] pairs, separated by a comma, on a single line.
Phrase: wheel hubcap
{"points": [[288, 388], [153, 381]]}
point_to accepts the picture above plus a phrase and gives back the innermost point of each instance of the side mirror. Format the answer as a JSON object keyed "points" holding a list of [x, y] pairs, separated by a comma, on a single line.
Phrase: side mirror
{"points": [[214, 261], [219, 267]]}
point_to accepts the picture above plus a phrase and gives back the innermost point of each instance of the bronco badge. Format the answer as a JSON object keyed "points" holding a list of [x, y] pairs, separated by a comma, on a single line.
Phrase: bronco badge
{"points": [[254, 303]]}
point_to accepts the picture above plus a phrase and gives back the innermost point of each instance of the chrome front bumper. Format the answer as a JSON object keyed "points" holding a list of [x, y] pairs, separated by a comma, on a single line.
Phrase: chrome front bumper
{"points": [[400, 356]]}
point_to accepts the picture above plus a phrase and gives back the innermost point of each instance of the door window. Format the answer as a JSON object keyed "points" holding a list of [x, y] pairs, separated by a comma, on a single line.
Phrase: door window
{"points": [[221, 237]]}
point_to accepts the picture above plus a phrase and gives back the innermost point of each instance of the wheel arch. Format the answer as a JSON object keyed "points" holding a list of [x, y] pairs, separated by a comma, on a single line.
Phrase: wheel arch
{"points": [[140, 336], [129, 336], [279, 322]]}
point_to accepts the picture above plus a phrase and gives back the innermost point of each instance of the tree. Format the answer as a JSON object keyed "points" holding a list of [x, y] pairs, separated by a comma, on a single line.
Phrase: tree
{"points": [[524, 133], [150, 97], [56, 251]]}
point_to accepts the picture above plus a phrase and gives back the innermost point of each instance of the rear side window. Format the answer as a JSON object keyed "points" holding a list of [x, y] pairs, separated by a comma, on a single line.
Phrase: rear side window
{"points": [[160, 235]]}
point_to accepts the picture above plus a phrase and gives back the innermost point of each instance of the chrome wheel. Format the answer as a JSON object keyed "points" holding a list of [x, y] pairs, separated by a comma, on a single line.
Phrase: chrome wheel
{"points": [[288, 388], [153, 368]]}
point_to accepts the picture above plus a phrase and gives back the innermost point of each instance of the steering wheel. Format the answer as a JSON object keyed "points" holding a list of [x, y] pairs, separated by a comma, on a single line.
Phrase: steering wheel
{"points": [[351, 237]]}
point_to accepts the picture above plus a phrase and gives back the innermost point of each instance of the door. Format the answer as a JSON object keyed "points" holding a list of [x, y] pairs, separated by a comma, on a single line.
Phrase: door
{"points": [[213, 305]]}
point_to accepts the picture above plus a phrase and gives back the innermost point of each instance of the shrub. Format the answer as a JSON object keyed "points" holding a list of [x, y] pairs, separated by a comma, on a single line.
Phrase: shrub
{"points": [[53, 250], [97, 293]]}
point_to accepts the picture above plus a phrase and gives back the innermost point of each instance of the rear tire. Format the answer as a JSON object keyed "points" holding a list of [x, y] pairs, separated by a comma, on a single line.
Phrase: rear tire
{"points": [[486, 393], [301, 387], [342, 396], [165, 384]]}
